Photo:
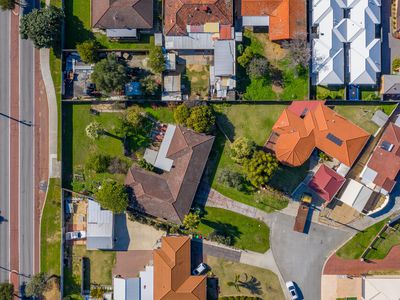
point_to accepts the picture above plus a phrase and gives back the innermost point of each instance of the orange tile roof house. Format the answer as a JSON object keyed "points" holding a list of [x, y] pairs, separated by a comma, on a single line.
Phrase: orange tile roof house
{"points": [[306, 125], [384, 165], [286, 19], [119, 17], [182, 157], [172, 272]]}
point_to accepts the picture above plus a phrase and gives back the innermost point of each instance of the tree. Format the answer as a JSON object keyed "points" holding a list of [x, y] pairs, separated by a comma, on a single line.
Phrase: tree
{"points": [[98, 163], [241, 149], [113, 196], [156, 60], [258, 67], [396, 65], [8, 4], [232, 179], [118, 166], [134, 116], [42, 26], [149, 85], [93, 130], [6, 291], [97, 292], [181, 114], [299, 52], [236, 282], [246, 57], [110, 74], [37, 285], [260, 168], [201, 119], [88, 51], [191, 221]]}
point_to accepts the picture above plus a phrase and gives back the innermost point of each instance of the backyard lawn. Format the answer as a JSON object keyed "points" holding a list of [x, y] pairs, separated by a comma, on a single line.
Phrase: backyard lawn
{"points": [[50, 241], [197, 81], [234, 121], [362, 115], [78, 29], [248, 233], [101, 265], [382, 247], [356, 246], [292, 86], [260, 282], [325, 93]]}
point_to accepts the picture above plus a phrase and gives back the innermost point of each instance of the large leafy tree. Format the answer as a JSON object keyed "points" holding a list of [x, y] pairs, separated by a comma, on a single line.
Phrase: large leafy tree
{"points": [[149, 85], [8, 4], [156, 60], [110, 74], [181, 114], [88, 51], [201, 119], [134, 116], [42, 26], [113, 196], [93, 130], [258, 67], [37, 285], [241, 149], [191, 221], [6, 291], [260, 168]]}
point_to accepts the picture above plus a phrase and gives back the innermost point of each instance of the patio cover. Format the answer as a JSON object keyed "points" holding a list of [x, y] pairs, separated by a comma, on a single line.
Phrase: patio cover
{"points": [[224, 58], [356, 195]]}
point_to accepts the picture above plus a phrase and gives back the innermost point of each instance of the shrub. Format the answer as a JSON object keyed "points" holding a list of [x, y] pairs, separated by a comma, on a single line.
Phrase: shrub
{"points": [[118, 166], [258, 67], [149, 86], [98, 163], [181, 114], [6, 291], [396, 65], [134, 116], [88, 51], [241, 149], [221, 238], [191, 221], [232, 179], [201, 119], [37, 285], [156, 60], [260, 168], [246, 57], [145, 165]]}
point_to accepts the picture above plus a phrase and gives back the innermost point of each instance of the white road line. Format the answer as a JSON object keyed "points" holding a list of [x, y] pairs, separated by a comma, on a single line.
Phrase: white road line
{"points": [[9, 145]]}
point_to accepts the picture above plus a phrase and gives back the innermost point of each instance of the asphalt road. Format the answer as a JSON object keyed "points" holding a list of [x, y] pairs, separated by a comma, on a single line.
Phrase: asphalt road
{"points": [[4, 143], [300, 256], [26, 157]]}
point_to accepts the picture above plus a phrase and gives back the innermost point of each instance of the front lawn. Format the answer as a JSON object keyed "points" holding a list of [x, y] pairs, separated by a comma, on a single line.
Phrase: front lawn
{"points": [[283, 81], [78, 29], [362, 115], [260, 282], [247, 233], [101, 265], [388, 240], [50, 230], [356, 246]]}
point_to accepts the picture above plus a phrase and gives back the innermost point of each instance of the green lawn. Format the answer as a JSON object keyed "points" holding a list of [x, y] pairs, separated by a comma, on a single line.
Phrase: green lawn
{"points": [[356, 246], [50, 230], [161, 113], [362, 115], [55, 69], [293, 86], [101, 265], [325, 93], [370, 95], [248, 233], [382, 247], [196, 81], [78, 29], [265, 285]]}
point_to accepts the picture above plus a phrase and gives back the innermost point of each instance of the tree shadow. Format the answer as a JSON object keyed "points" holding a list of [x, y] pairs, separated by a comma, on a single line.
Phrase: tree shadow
{"points": [[225, 125], [224, 229], [67, 142], [253, 285], [74, 27]]}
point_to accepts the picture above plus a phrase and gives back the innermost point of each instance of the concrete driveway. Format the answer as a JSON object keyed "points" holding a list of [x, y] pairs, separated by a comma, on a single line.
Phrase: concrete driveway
{"points": [[300, 257]]}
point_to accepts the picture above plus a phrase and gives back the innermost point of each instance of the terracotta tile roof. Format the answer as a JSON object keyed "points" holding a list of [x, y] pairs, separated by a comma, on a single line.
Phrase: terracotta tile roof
{"points": [[179, 13], [306, 125], [326, 183], [170, 195], [122, 14], [172, 272], [287, 18], [386, 163]]}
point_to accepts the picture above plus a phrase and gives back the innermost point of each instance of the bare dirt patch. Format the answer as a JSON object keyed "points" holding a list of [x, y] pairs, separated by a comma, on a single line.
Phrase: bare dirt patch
{"points": [[54, 290]]}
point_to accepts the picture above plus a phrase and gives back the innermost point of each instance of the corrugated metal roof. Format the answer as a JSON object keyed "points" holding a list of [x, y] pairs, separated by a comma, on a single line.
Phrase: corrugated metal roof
{"points": [[116, 33], [194, 41], [224, 58], [126, 289], [100, 227], [255, 20]]}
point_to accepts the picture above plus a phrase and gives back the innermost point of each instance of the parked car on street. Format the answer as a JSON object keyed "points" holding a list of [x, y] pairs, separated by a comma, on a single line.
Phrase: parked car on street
{"points": [[292, 290]]}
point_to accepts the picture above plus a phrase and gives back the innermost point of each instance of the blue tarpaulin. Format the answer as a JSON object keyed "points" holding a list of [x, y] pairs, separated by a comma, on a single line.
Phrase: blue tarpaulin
{"points": [[133, 89]]}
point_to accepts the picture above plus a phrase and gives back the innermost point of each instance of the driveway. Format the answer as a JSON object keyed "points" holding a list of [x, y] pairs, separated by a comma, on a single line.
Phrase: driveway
{"points": [[300, 257]]}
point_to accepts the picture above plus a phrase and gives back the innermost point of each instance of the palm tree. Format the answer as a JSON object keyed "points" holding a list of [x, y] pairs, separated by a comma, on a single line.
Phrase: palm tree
{"points": [[236, 282]]}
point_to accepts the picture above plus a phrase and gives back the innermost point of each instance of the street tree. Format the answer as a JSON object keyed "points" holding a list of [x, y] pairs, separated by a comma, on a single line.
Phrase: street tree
{"points": [[201, 119], [191, 221], [37, 285], [8, 4], [241, 149], [113, 196], [42, 26], [260, 168], [181, 114], [156, 60], [110, 74], [88, 51], [93, 130], [6, 291]]}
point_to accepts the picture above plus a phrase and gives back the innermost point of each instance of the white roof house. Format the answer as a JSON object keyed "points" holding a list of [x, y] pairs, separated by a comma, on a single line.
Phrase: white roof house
{"points": [[126, 288], [146, 283], [100, 227], [346, 22], [381, 287]]}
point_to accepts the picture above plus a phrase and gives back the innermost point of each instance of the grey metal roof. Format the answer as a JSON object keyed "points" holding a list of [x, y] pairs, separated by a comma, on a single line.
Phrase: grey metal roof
{"points": [[224, 58], [100, 227], [172, 83], [117, 33], [193, 41], [126, 289], [255, 20], [391, 84], [380, 118]]}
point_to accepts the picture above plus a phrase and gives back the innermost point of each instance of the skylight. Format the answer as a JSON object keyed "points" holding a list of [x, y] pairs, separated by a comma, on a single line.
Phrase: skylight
{"points": [[334, 139]]}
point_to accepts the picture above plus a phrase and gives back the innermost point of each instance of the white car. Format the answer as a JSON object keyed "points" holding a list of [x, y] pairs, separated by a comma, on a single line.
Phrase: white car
{"points": [[200, 269], [292, 290], [75, 235]]}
